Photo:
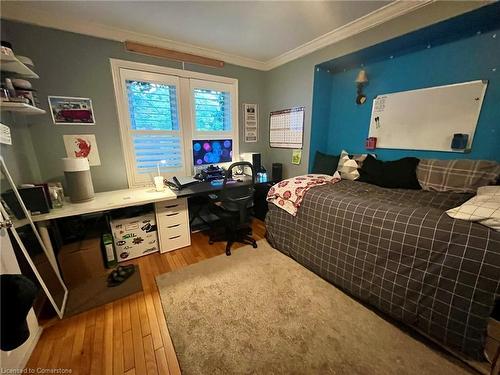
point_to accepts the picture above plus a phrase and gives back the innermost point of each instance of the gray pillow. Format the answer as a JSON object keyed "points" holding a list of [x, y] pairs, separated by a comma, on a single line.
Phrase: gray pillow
{"points": [[458, 176]]}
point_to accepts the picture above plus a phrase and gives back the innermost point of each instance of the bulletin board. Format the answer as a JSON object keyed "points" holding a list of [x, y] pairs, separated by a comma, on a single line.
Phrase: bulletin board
{"points": [[286, 128], [426, 119]]}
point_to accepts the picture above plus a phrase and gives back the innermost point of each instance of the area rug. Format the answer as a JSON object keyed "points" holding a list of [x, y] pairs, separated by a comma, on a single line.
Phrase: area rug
{"points": [[260, 312], [95, 292]]}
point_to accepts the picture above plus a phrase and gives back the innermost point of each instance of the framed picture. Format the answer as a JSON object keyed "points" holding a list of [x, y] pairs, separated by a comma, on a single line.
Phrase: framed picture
{"points": [[82, 146], [67, 110]]}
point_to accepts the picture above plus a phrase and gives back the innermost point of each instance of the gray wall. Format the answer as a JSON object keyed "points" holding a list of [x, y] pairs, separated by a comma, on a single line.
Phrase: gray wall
{"points": [[71, 64], [19, 157], [77, 65], [292, 84]]}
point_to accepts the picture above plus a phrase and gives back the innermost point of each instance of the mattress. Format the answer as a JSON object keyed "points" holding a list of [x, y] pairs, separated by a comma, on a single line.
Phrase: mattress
{"points": [[399, 251]]}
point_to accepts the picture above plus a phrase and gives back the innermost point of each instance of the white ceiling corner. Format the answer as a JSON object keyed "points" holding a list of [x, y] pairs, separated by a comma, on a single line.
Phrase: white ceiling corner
{"points": [[371, 20], [16, 11]]}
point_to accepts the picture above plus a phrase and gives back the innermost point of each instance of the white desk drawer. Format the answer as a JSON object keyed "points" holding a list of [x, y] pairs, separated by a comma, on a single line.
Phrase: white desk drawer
{"points": [[174, 236], [175, 242], [172, 219], [171, 222], [167, 208]]}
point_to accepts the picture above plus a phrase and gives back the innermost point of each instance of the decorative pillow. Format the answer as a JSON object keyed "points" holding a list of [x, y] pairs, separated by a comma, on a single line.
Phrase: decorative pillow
{"points": [[459, 176], [400, 173], [325, 164], [483, 208], [348, 167]]}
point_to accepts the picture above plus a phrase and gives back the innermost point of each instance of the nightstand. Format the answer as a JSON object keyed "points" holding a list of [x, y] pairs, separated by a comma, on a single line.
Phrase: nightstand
{"points": [[259, 199]]}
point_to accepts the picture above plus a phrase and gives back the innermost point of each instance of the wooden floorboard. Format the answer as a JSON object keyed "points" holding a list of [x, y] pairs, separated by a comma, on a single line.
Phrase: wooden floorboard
{"points": [[129, 336]]}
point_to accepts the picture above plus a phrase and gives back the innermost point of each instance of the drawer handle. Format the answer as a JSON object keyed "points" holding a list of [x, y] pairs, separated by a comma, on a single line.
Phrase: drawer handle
{"points": [[174, 237], [173, 214], [172, 206], [173, 226]]}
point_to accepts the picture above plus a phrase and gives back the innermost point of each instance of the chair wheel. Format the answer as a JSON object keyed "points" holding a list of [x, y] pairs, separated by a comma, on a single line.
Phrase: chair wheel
{"points": [[210, 242], [228, 253], [254, 245]]}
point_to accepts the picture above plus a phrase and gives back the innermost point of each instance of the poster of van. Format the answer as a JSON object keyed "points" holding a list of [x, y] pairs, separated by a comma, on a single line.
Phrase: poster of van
{"points": [[66, 110]]}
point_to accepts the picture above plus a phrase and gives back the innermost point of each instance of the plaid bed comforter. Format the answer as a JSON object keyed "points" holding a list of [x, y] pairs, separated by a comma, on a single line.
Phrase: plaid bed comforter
{"points": [[399, 251]]}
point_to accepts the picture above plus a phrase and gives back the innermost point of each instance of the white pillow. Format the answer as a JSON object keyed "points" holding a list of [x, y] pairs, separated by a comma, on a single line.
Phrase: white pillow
{"points": [[347, 167], [483, 208]]}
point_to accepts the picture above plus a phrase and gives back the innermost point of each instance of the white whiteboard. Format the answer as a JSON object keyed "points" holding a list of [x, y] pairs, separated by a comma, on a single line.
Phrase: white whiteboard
{"points": [[426, 119]]}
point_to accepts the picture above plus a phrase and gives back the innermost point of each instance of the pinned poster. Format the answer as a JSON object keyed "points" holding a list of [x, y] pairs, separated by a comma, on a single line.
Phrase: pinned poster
{"points": [[286, 128], [82, 146], [5, 136], [296, 156], [251, 122]]}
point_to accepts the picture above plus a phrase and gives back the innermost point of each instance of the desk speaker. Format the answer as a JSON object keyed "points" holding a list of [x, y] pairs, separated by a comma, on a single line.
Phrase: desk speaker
{"points": [[277, 172]]}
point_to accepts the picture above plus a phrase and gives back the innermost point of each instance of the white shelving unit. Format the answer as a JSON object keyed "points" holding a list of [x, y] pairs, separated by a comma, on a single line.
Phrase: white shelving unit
{"points": [[21, 108], [10, 63]]}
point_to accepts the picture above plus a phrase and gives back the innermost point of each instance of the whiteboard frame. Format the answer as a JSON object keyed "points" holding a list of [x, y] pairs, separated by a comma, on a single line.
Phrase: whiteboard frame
{"points": [[484, 82]]}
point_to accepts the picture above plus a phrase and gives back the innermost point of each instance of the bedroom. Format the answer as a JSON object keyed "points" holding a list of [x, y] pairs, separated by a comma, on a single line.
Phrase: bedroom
{"points": [[366, 273]]}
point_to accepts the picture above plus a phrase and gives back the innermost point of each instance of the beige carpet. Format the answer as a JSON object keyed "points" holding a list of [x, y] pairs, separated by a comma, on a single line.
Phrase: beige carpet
{"points": [[260, 312]]}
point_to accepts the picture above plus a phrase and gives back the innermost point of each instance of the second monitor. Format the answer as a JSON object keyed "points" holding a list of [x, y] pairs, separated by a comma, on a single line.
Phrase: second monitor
{"points": [[212, 151]]}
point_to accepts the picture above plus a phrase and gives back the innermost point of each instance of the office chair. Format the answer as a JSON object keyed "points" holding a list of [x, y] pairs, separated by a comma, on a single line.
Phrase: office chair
{"points": [[233, 205]]}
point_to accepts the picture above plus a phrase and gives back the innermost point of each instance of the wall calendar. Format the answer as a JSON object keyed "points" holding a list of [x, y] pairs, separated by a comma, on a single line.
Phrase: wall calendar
{"points": [[286, 128]]}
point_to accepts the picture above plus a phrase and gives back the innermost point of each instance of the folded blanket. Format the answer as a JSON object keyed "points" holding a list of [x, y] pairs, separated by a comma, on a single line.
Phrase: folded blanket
{"points": [[288, 194]]}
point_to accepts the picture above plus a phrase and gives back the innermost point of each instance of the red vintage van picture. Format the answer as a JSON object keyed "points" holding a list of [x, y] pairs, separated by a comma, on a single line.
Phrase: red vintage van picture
{"points": [[67, 111]]}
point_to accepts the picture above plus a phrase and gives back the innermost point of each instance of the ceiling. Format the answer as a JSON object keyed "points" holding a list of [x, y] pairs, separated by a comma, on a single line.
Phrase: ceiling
{"points": [[251, 33]]}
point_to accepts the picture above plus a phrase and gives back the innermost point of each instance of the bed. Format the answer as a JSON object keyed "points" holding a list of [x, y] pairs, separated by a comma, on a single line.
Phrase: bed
{"points": [[398, 250]]}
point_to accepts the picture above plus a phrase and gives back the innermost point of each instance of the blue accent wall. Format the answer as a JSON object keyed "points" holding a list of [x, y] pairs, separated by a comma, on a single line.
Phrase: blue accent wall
{"points": [[321, 107], [457, 53]]}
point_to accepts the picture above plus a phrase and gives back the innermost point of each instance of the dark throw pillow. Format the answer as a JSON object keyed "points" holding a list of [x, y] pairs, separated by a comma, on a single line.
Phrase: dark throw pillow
{"points": [[325, 164], [400, 173]]}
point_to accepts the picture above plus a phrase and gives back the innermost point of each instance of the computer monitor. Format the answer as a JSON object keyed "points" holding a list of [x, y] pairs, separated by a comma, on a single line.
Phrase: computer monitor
{"points": [[212, 151]]}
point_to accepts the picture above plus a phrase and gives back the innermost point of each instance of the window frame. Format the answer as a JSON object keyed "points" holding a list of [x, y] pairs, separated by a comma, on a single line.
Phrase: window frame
{"points": [[216, 86], [210, 135], [127, 133], [185, 114]]}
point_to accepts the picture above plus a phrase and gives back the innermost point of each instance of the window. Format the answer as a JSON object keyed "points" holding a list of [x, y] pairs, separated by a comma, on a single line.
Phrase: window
{"points": [[212, 110], [162, 110], [151, 131], [152, 106]]}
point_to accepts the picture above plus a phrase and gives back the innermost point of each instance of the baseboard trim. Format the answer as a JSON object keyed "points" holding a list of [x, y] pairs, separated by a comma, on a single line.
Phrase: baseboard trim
{"points": [[31, 348]]}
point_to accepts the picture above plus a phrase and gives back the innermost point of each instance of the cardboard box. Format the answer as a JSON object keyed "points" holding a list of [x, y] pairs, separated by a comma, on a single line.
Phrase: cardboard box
{"points": [[135, 237], [80, 261]]}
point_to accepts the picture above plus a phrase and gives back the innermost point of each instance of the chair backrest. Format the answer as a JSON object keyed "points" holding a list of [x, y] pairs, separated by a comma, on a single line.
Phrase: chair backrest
{"points": [[238, 198]]}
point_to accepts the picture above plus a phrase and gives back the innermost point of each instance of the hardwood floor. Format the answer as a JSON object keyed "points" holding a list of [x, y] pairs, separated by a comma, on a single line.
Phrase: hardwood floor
{"points": [[129, 336]]}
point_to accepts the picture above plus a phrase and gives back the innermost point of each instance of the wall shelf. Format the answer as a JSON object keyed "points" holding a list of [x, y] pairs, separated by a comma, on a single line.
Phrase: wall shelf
{"points": [[21, 108], [11, 64]]}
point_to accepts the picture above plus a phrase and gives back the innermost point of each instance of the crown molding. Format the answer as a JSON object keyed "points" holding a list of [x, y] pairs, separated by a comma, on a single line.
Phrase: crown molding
{"points": [[369, 21], [14, 11]]}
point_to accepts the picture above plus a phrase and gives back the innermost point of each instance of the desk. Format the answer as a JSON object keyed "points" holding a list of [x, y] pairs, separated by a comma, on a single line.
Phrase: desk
{"points": [[108, 200], [170, 208], [105, 201], [205, 188]]}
